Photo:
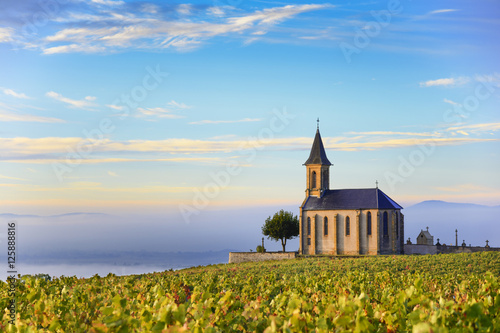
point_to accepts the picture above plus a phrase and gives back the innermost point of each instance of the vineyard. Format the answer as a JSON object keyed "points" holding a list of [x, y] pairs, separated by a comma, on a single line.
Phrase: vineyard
{"points": [[441, 293]]}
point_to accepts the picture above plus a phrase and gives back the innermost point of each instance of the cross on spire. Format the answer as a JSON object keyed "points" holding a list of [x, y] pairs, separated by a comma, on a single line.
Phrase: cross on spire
{"points": [[317, 120]]}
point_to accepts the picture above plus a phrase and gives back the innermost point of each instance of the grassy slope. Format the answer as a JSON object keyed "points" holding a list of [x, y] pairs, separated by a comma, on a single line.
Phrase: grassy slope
{"points": [[378, 294]]}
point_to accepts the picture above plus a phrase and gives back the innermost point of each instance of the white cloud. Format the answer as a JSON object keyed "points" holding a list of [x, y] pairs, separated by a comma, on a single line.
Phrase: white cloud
{"points": [[216, 11], [394, 133], [11, 92], [115, 107], [11, 178], [132, 30], [50, 149], [108, 2], [85, 103], [446, 82], [112, 174], [84, 48], [489, 78], [167, 112], [477, 128], [6, 34], [451, 102], [184, 9], [245, 120], [150, 8], [9, 116], [177, 105], [158, 112], [439, 11]]}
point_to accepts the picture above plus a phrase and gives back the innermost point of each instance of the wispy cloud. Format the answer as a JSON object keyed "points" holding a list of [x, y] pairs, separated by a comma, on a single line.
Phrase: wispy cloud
{"points": [[86, 103], [451, 102], [446, 82], [163, 112], [112, 174], [9, 116], [475, 128], [148, 29], [115, 107], [12, 93], [6, 34], [244, 120], [11, 178], [432, 14], [49, 149], [493, 79], [45, 160], [177, 105], [440, 11], [158, 112], [394, 133], [108, 2]]}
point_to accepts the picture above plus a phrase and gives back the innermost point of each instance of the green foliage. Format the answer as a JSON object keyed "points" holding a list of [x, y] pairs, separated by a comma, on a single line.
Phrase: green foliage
{"points": [[282, 226], [260, 249], [440, 293]]}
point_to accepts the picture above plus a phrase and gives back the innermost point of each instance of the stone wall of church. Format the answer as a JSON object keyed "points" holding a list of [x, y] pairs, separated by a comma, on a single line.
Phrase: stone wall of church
{"points": [[391, 231], [338, 240]]}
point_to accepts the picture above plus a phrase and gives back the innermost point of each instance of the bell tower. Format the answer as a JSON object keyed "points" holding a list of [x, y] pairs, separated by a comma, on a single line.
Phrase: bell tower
{"points": [[318, 168]]}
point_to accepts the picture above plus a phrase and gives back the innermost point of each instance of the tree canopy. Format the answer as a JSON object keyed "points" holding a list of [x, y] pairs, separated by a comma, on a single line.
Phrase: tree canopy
{"points": [[282, 226]]}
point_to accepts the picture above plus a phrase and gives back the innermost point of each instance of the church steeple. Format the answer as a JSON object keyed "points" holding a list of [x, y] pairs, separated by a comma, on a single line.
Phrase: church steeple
{"points": [[318, 154], [318, 168]]}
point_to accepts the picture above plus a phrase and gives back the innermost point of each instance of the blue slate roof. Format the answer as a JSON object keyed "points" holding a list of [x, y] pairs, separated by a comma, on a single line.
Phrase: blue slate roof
{"points": [[318, 154], [363, 198]]}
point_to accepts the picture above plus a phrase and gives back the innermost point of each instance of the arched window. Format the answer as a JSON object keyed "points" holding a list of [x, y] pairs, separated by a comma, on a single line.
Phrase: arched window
{"points": [[324, 179], [325, 225], [369, 223], [313, 181], [308, 226], [347, 226], [386, 225]]}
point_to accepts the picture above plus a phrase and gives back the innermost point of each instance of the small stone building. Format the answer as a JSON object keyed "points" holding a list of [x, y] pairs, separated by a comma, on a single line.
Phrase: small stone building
{"points": [[346, 221], [425, 238]]}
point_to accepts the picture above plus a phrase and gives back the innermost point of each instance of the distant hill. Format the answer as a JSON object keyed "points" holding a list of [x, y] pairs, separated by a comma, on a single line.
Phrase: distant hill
{"points": [[475, 223]]}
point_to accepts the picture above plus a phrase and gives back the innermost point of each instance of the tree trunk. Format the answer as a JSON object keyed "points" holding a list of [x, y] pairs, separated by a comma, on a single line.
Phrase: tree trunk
{"points": [[283, 243]]}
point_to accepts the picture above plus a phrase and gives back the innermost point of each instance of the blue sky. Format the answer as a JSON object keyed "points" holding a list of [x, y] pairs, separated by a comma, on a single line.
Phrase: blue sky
{"points": [[124, 106]]}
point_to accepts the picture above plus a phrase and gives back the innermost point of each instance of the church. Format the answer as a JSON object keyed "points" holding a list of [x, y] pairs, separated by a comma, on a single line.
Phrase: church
{"points": [[346, 221]]}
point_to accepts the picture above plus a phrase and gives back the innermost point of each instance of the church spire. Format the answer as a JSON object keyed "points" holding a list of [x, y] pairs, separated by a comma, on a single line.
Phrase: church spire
{"points": [[317, 165], [318, 154]]}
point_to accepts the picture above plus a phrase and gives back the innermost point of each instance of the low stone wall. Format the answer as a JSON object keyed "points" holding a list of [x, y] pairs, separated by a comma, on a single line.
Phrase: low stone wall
{"points": [[435, 249], [420, 249], [237, 257], [464, 249]]}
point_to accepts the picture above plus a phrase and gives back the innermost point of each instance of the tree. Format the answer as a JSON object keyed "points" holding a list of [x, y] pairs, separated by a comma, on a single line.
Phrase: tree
{"points": [[282, 226]]}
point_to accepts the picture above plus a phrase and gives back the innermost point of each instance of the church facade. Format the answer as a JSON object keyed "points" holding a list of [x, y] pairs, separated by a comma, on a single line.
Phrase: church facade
{"points": [[346, 221]]}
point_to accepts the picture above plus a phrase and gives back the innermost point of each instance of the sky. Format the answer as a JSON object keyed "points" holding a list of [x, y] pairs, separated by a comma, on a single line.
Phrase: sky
{"points": [[134, 107]]}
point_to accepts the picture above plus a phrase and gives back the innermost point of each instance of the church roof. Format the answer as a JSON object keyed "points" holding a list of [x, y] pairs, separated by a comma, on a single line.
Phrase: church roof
{"points": [[363, 198], [318, 154]]}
